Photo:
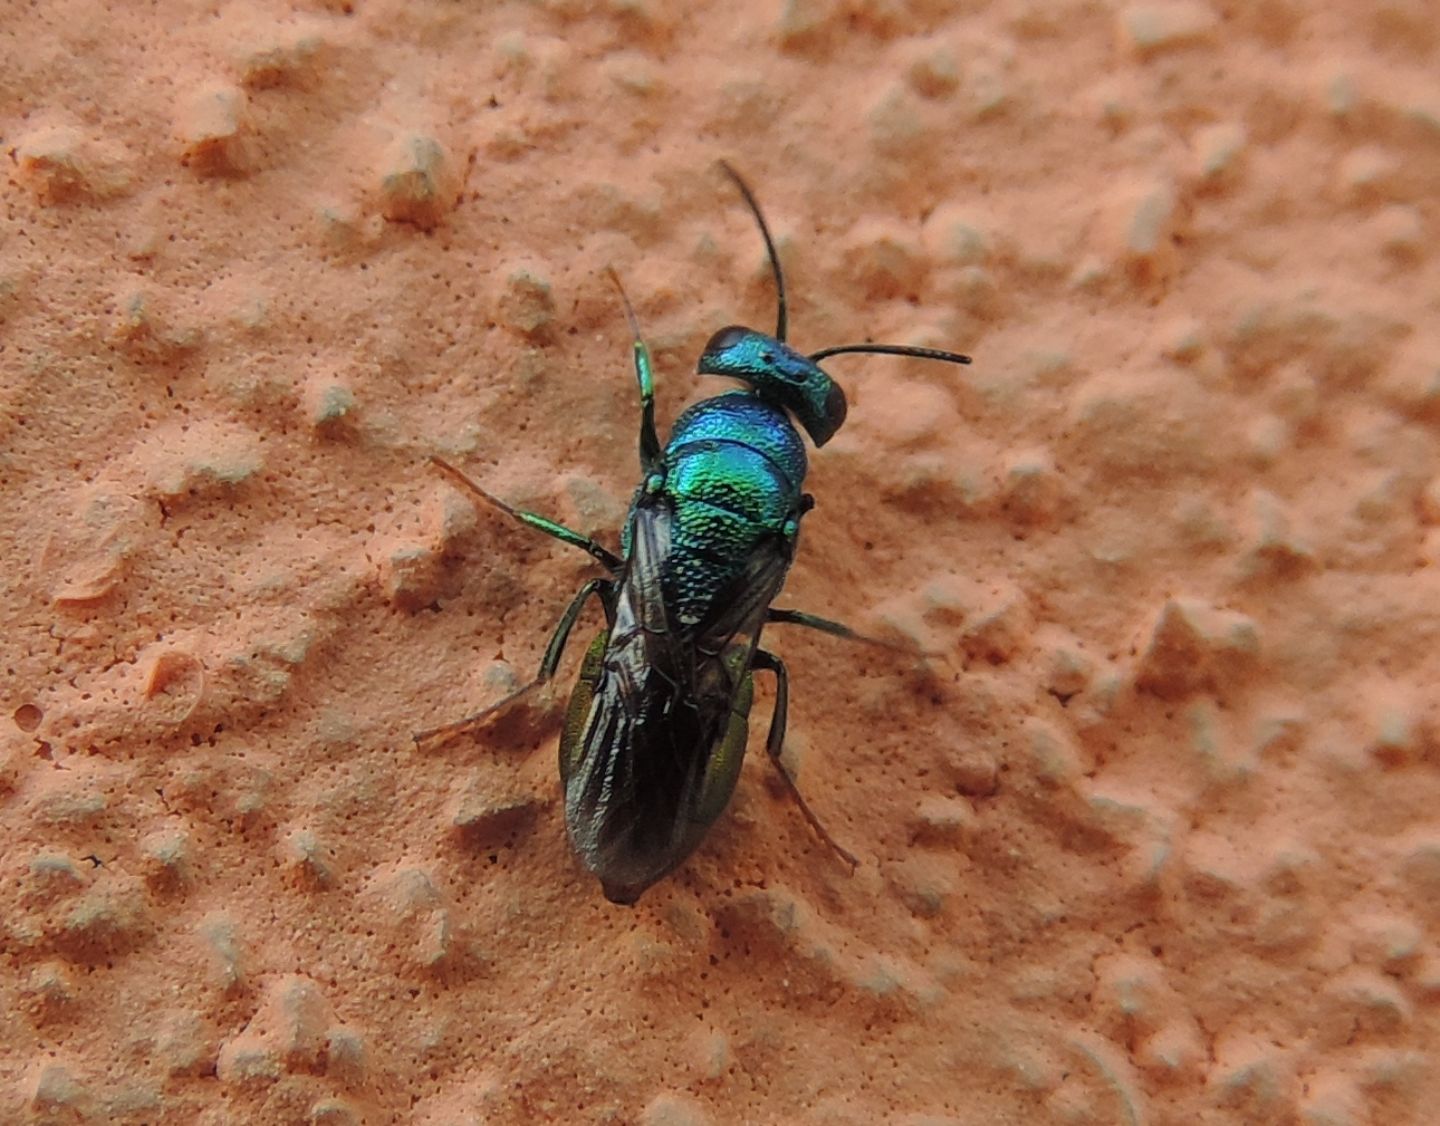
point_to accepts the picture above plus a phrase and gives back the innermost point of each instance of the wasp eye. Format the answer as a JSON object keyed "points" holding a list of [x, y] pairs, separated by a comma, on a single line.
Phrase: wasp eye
{"points": [[767, 357], [727, 338]]}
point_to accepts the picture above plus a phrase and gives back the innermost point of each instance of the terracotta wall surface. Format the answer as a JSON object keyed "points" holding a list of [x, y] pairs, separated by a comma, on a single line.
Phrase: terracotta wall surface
{"points": [[1153, 834]]}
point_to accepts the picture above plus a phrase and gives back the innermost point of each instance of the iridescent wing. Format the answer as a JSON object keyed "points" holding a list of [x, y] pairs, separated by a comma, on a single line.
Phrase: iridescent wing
{"points": [[655, 757]]}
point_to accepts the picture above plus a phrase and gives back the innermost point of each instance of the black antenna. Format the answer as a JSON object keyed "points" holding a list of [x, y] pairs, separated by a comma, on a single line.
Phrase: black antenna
{"points": [[892, 350], [780, 323]]}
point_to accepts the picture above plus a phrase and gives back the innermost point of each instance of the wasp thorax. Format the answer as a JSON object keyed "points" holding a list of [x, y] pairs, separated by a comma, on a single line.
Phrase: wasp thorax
{"points": [[780, 375]]}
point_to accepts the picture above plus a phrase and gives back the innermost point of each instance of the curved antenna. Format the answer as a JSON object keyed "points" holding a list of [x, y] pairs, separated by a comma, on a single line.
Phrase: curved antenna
{"points": [[745, 191], [892, 350], [624, 300]]}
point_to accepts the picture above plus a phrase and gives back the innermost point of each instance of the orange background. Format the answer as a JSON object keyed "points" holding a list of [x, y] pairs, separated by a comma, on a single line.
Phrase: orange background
{"points": [[1153, 841]]}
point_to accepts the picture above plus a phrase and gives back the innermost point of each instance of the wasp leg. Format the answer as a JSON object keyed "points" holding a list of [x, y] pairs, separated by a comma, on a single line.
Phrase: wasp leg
{"points": [[775, 742], [645, 377], [838, 629], [606, 558], [438, 736]]}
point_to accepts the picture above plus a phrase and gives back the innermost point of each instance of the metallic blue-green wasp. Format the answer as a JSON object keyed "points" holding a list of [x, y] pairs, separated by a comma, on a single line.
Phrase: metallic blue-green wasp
{"points": [[657, 723]]}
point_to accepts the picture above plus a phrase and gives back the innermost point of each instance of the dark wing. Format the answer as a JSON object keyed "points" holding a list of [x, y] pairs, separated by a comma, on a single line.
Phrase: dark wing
{"points": [[738, 611], [636, 796], [634, 768]]}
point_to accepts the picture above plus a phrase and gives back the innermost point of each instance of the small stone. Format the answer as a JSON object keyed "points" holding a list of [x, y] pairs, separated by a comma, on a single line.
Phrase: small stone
{"points": [[147, 327], [1223, 760], [243, 1062], [73, 806], [294, 1018], [1143, 424], [956, 234], [1362, 1001], [897, 126], [1388, 941], [1130, 992], [632, 73], [1340, 95], [924, 882], [1174, 1053], [1397, 727], [944, 820], [411, 577], [302, 852], [53, 876], [226, 966], [710, 1053], [1399, 232], [1332, 1099], [335, 1112], [1152, 28], [1367, 174], [210, 125], [47, 993], [485, 817], [1193, 646], [1279, 731], [346, 1060], [674, 1109], [417, 181], [61, 165], [1420, 869], [883, 258], [998, 627], [89, 557], [1054, 754], [1217, 150], [935, 74], [166, 860], [56, 1091], [206, 456], [526, 304], [184, 1045], [329, 405], [1268, 438], [425, 932], [103, 923], [1149, 215], [807, 23], [1252, 1077], [282, 56], [1274, 549], [1411, 377], [974, 772], [1182, 339], [987, 87], [1031, 492], [133, 1102]]}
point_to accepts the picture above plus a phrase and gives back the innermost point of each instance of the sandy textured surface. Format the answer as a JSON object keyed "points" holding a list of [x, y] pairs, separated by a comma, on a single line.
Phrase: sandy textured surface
{"points": [[1156, 840]]}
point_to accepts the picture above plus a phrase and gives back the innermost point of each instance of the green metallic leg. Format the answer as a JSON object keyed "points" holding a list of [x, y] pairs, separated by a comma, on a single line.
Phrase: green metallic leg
{"points": [[837, 629], [645, 377], [438, 736], [775, 743], [607, 559]]}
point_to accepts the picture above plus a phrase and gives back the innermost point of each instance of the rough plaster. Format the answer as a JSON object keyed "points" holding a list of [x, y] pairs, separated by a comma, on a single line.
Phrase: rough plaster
{"points": [[1154, 840]]}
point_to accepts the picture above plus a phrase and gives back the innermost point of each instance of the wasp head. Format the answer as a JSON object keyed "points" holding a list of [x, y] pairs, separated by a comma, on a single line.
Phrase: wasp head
{"points": [[779, 375]]}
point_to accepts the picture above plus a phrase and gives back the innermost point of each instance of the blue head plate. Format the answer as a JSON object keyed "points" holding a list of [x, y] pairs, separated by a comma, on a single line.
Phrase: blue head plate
{"points": [[779, 375]]}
